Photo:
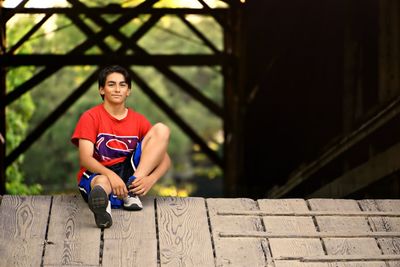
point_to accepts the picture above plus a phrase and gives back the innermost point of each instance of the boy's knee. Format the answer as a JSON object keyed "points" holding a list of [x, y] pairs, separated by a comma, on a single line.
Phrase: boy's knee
{"points": [[161, 130], [101, 180]]}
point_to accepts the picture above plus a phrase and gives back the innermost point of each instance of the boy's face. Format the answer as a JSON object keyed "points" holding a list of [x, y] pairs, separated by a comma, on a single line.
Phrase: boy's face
{"points": [[115, 89]]}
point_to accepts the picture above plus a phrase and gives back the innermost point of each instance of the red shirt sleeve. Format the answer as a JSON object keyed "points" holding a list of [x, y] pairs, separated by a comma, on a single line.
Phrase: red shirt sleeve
{"points": [[145, 126], [86, 128]]}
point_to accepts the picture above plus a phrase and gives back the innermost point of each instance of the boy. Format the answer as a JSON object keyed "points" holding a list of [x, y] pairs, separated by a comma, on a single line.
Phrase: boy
{"points": [[112, 140]]}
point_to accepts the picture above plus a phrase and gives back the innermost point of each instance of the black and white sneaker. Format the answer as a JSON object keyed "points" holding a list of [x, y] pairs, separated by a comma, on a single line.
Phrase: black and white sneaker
{"points": [[132, 201], [100, 205]]}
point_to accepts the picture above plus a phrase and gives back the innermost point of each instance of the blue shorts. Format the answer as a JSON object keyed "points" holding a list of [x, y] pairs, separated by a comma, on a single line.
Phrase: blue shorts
{"points": [[124, 169]]}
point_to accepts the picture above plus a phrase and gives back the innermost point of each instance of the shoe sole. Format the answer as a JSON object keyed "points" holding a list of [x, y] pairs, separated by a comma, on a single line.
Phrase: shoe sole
{"points": [[133, 207], [98, 202]]}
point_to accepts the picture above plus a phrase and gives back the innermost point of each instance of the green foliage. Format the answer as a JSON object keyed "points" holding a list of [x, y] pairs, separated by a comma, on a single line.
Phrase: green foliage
{"points": [[15, 181], [18, 116]]}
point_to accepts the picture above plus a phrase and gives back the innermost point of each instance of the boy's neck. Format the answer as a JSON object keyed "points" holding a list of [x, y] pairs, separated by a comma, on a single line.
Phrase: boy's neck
{"points": [[117, 111]]}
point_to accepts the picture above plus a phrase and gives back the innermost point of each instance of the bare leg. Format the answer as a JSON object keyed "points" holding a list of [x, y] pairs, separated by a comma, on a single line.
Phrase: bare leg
{"points": [[154, 149], [102, 181]]}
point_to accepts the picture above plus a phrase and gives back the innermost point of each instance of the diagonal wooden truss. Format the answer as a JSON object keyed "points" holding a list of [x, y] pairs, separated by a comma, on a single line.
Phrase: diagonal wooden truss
{"points": [[229, 18]]}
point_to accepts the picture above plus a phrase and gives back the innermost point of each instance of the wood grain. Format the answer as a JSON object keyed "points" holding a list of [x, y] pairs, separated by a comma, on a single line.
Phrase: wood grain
{"points": [[236, 251], [23, 223], [389, 246], [132, 240], [357, 247], [290, 247], [73, 238], [61, 231], [184, 234]]}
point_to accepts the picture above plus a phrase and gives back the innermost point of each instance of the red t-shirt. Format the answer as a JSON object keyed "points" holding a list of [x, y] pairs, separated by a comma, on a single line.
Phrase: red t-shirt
{"points": [[114, 139]]}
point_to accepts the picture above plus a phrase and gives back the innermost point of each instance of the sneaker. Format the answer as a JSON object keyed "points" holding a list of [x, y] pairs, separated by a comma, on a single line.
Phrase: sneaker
{"points": [[100, 205], [132, 201]]}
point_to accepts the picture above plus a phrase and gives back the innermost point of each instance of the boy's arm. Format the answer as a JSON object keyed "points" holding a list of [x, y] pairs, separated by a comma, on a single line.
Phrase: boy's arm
{"points": [[142, 185], [86, 149]]}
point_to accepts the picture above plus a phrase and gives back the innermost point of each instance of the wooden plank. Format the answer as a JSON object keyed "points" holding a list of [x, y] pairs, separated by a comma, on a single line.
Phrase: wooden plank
{"points": [[73, 59], [236, 251], [290, 247], [134, 11], [23, 223], [132, 239], [357, 247], [250, 234], [184, 233], [388, 246], [310, 213], [342, 258], [73, 237], [294, 263]]}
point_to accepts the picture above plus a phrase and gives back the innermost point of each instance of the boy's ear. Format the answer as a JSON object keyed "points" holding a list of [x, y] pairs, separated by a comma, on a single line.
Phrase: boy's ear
{"points": [[101, 91]]}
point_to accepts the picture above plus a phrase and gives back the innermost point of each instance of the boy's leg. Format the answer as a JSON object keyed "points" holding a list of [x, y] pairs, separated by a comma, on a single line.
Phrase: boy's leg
{"points": [[148, 156], [99, 202], [154, 148]]}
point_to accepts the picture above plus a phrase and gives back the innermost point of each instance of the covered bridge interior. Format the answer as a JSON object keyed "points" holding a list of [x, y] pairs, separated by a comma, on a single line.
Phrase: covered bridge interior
{"points": [[310, 89]]}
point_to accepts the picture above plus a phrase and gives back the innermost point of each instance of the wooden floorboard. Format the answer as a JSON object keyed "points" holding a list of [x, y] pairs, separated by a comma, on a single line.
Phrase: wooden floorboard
{"points": [[132, 240], [184, 235], [72, 237], [23, 224], [60, 231]]}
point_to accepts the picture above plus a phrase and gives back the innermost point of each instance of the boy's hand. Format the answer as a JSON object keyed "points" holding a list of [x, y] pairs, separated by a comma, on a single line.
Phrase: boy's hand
{"points": [[118, 186], [142, 185]]}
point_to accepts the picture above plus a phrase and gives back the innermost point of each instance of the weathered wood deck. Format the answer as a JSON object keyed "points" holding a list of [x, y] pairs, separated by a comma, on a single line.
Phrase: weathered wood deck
{"points": [[60, 230]]}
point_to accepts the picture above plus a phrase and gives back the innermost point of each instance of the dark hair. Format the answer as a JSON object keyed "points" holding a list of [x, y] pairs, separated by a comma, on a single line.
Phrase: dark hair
{"points": [[111, 69]]}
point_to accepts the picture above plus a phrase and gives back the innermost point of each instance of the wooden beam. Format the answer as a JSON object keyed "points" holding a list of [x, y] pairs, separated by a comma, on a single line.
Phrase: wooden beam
{"points": [[373, 170], [217, 17], [234, 103], [58, 112], [187, 87], [184, 85], [199, 34], [76, 58], [346, 143], [176, 118], [111, 58], [79, 50], [28, 34], [6, 15], [52, 118], [88, 32], [116, 10], [150, 92]]}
